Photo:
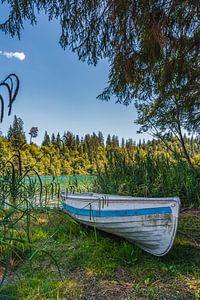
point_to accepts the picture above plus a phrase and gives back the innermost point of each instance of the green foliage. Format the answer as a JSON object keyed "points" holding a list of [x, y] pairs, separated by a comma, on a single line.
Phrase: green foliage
{"points": [[20, 196], [50, 256], [155, 62], [149, 172], [46, 140], [67, 156], [95, 263], [16, 134], [33, 133], [153, 168]]}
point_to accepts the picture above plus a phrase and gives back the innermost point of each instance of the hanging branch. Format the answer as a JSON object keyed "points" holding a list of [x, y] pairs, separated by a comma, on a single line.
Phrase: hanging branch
{"points": [[11, 82], [2, 109]]}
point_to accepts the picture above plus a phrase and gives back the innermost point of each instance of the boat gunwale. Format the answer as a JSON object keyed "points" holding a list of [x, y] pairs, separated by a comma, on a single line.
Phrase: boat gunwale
{"points": [[114, 198]]}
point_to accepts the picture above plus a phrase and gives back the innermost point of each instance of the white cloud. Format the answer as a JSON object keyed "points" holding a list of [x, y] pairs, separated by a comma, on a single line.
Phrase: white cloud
{"points": [[18, 55]]}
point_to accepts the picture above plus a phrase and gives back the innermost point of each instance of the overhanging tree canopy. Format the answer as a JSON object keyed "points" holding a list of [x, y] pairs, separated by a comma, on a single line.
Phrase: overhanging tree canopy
{"points": [[152, 47]]}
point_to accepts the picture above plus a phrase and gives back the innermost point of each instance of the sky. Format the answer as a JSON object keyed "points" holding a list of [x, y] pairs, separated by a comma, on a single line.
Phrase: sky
{"points": [[57, 91]]}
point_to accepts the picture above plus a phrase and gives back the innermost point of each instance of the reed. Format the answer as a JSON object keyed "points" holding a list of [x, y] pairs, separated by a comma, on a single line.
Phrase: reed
{"points": [[20, 196], [149, 175]]}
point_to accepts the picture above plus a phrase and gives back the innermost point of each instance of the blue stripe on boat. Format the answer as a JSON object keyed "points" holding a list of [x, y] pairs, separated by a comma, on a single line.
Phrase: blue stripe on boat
{"points": [[117, 213]]}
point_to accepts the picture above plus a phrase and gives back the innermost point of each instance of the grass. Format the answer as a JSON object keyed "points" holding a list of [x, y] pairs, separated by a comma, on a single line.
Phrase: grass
{"points": [[47, 255], [145, 174], [94, 265], [20, 196]]}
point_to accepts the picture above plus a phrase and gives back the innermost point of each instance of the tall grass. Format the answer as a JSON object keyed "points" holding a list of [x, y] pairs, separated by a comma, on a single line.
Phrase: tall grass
{"points": [[20, 196], [149, 175]]}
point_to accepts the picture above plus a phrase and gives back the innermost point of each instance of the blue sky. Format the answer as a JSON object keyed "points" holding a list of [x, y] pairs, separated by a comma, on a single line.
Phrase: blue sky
{"points": [[57, 91]]}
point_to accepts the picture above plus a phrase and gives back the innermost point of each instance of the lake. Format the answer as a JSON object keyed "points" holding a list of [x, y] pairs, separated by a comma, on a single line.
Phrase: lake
{"points": [[67, 179]]}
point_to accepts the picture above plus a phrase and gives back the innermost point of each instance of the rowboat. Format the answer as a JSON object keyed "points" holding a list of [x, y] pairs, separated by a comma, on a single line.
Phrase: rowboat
{"points": [[150, 223]]}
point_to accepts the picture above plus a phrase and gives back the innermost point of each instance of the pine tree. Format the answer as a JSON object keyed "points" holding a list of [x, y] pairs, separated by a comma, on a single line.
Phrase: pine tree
{"points": [[69, 140], [46, 140], [58, 140], [77, 140], [16, 134], [53, 139], [129, 143], [115, 141], [88, 147], [9, 134], [82, 140], [101, 138], [108, 141], [123, 143]]}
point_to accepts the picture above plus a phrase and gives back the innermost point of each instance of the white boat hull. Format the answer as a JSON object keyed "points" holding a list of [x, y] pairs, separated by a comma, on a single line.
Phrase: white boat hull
{"points": [[150, 223]]}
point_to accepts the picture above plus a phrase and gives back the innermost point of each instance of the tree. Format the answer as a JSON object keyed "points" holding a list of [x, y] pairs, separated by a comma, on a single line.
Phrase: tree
{"points": [[16, 134], [123, 143], [151, 61], [88, 147], [58, 140], [46, 140], [115, 141], [129, 143], [77, 140], [53, 139], [33, 133], [165, 117], [101, 138], [108, 140], [69, 140]]}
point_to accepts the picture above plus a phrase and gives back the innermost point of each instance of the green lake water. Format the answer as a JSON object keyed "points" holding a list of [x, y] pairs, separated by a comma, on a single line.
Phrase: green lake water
{"points": [[48, 194], [53, 185], [65, 181]]}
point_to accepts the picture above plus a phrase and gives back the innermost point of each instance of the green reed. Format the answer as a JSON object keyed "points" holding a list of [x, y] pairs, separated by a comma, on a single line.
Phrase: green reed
{"points": [[149, 175], [21, 194]]}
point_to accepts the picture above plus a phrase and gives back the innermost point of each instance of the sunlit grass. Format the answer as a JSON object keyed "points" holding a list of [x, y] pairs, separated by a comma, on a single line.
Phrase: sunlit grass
{"points": [[46, 255], [98, 265]]}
